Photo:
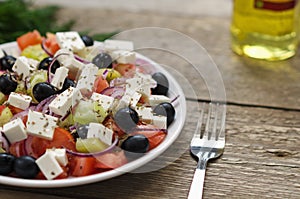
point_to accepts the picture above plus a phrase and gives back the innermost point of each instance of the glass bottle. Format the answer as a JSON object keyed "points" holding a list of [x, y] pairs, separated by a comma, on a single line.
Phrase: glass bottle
{"points": [[265, 29]]}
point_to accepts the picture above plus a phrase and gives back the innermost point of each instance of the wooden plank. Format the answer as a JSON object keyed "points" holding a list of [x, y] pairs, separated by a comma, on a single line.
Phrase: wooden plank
{"points": [[11, 194], [261, 160], [247, 81]]}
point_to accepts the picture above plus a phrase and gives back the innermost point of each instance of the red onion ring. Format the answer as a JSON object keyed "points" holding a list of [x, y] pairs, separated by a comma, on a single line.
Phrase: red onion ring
{"points": [[72, 128], [115, 91], [23, 113], [45, 49], [104, 74], [65, 116], [48, 101], [50, 75], [44, 104], [108, 149], [118, 81], [27, 144], [78, 58]]}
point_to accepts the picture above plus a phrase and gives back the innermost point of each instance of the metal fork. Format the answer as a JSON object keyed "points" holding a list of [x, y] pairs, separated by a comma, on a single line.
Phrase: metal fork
{"points": [[208, 143]]}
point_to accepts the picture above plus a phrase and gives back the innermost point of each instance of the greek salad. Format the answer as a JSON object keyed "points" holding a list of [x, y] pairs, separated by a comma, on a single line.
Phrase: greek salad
{"points": [[73, 107]]}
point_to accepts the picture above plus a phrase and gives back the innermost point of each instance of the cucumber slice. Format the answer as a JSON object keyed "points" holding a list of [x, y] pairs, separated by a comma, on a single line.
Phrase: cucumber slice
{"points": [[90, 145], [2, 98], [34, 52], [84, 113], [100, 112], [5, 116]]}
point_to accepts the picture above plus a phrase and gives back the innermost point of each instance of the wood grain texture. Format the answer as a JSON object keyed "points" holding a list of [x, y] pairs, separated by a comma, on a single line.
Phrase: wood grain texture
{"points": [[247, 81], [261, 160], [262, 154]]}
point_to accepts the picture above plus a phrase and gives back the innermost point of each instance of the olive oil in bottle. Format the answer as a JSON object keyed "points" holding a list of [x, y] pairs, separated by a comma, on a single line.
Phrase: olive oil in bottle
{"points": [[265, 29]]}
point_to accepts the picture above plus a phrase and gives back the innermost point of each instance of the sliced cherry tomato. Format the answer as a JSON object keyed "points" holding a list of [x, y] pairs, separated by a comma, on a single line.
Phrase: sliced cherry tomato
{"points": [[100, 84], [2, 107], [28, 39], [110, 123], [126, 70], [154, 135], [14, 109], [24, 119], [63, 175], [51, 43], [36, 146], [18, 148], [111, 160], [82, 166]]}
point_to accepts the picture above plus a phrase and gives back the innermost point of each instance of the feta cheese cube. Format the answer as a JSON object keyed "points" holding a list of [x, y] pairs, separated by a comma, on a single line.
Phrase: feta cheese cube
{"points": [[112, 45], [41, 125], [49, 166], [88, 53], [24, 66], [139, 85], [123, 102], [103, 100], [129, 99], [134, 99], [59, 77], [145, 114], [18, 100], [124, 57], [70, 40], [159, 121], [63, 56], [87, 78], [67, 59], [15, 130], [97, 130], [60, 155], [94, 129], [157, 99], [63, 102]]}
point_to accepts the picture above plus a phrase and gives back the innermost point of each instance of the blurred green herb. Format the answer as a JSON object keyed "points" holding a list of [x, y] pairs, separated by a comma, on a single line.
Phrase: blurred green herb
{"points": [[103, 36], [19, 16]]}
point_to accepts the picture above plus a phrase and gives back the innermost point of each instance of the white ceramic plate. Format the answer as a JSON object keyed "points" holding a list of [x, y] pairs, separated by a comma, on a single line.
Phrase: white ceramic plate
{"points": [[173, 132]]}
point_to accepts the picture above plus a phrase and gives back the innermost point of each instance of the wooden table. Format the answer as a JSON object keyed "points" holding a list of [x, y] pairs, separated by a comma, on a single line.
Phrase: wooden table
{"points": [[262, 154]]}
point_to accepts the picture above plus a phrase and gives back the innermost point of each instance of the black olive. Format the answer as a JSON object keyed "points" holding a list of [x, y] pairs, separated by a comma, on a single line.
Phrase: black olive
{"points": [[7, 62], [43, 90], [87, 40], [126, 119], [67, 84], [165, 109], [46, 62], [162, 87], [103, 60], [82, 130], [26, 167], [7, 84], [136, 143], [6, 163]]}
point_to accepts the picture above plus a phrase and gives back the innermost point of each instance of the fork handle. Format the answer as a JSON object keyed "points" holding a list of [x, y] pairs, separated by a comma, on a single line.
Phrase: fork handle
{"points": [[196, 189]]}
